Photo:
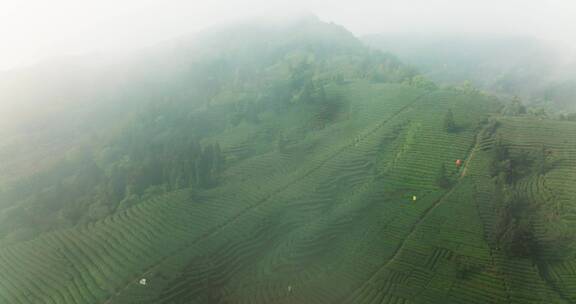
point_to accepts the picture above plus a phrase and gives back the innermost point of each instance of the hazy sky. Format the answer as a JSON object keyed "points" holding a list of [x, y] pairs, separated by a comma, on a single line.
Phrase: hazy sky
{"points": [[32, 30]]}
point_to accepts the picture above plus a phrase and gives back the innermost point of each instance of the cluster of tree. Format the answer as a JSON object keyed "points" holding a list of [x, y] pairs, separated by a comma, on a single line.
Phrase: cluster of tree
{"points": [[146, 158], [514, 167], [180, 100], [385, 67], [421, 81], [514, 107], [515, 231], [449, 123], [467, 87], [515, 234], [310, 92], [544, 76], [442, 178]]}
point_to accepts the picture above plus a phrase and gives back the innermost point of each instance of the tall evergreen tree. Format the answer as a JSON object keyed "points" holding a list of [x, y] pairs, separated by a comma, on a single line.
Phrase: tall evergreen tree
{"points": [[449, 124]]}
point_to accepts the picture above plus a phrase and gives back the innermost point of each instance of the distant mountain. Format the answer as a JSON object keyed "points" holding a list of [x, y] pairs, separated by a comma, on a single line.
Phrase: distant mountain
{"points": [[540, 72]]}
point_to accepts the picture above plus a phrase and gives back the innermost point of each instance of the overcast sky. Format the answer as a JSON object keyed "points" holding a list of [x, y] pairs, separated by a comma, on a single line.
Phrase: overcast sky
{"points": [[32, 30]]}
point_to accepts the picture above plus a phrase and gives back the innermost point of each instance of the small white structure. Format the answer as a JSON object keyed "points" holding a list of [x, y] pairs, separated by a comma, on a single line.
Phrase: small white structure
{"points": [[289, 288], [142, 281]]}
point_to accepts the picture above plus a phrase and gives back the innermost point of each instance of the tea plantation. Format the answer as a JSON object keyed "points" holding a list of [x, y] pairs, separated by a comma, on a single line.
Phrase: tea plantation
{"points": [[349, 213]]}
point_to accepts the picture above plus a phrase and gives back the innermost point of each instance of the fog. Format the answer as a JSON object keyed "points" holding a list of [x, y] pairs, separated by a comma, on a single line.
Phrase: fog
{"points": [[32, 30], [259, 151]]}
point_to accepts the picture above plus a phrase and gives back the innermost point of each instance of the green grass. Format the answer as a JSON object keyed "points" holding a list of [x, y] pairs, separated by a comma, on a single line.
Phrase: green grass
{"points": [[328, 220]]}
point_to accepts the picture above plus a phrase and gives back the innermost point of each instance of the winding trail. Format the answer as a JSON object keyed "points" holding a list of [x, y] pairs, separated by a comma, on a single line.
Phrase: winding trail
{"points": [[470, 156], [413, 228]]}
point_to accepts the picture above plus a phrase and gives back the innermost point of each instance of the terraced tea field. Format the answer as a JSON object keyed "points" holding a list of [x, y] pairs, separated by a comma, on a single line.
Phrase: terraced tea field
{"points": [[329, 219]]}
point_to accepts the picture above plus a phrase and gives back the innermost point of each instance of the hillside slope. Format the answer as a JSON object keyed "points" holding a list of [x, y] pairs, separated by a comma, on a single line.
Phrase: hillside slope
{"points": [[320, 217], [330, 220], [154, 123], [332, 181]]}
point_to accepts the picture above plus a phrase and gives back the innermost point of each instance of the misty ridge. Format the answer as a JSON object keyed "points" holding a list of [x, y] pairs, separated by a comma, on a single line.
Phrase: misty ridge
{"points": [[287, 160], [539, 71], [79, 94]]}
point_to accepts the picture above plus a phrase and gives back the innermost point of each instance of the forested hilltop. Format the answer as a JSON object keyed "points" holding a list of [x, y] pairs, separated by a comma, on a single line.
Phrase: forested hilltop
{"points": [[161, 129], [278, 162], [541, 73]]}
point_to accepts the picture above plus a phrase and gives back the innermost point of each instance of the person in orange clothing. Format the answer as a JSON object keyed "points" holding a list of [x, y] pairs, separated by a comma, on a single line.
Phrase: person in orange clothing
{"points": [[458, 163]]}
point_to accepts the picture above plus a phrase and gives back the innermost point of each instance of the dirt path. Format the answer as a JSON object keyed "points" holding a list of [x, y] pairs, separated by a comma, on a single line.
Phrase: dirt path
{"points": [[425, 214], [470, 157]]}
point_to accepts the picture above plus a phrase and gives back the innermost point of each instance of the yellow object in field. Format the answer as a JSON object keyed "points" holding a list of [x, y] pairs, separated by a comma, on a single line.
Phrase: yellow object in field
{"points": [[414, 197]]}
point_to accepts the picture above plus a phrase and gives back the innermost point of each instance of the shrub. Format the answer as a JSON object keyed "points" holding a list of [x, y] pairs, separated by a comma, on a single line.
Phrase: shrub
{"points": [[449, 124], [442, 180]]}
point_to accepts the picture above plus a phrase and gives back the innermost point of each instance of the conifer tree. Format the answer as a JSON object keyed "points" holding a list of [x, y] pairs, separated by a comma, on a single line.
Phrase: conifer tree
{"points": [[449, 124]]}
